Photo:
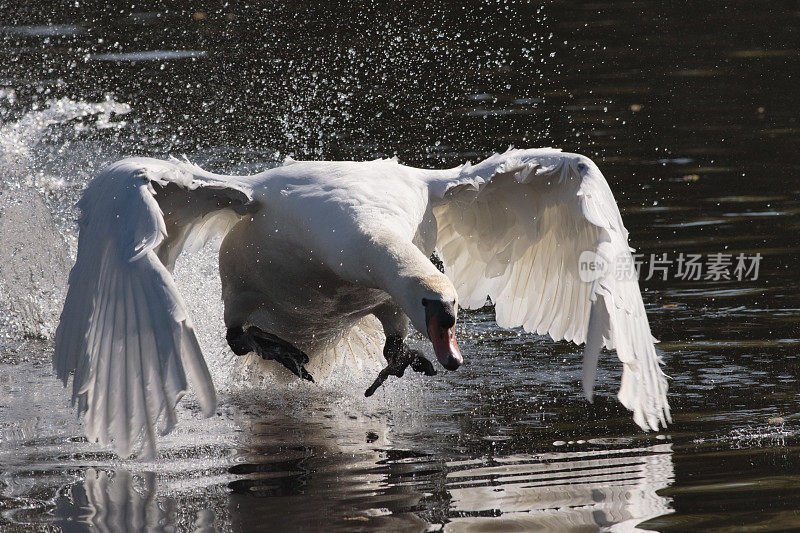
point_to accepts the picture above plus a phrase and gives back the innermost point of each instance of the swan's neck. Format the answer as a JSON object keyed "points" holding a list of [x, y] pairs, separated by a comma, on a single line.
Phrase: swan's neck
{"points": [[404, 272]]}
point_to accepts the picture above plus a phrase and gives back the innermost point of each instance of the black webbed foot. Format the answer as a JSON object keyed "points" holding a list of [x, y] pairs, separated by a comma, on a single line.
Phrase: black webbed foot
{"points": [[269, 347], [400, 357]]}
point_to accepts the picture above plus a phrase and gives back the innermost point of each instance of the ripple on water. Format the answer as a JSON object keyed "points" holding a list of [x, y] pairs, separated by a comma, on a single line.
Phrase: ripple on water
{"points": [[560, 491], [149, 55], [53, 30]]}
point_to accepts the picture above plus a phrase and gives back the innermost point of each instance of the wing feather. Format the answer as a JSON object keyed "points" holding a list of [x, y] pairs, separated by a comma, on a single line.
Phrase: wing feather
{"points": [[512, 228], [125, 334]]}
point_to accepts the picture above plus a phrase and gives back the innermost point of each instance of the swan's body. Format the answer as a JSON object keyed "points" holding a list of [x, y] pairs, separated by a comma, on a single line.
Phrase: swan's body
{"points": [[304, 260], [311, 248]]}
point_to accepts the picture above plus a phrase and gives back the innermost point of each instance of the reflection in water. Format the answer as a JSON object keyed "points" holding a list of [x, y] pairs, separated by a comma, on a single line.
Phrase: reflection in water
{"points": [[321, 461], [114, 501], [311, 471], [613, 489]]}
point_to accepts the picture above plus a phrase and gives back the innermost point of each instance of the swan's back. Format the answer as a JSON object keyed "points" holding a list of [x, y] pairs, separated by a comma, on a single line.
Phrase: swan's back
{"points": [[347, 195]]}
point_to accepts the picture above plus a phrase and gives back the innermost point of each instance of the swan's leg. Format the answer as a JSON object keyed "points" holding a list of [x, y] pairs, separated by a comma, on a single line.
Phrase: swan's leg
{"points": [[268, 346], [239, 304], [397, 353]]}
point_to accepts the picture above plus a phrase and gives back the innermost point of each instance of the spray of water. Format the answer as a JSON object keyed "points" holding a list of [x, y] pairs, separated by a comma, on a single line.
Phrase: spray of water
{"points": [[35, 256]]}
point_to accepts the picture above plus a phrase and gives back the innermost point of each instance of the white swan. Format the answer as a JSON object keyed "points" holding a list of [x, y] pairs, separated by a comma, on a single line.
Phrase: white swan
{"points": [[310, 248]]}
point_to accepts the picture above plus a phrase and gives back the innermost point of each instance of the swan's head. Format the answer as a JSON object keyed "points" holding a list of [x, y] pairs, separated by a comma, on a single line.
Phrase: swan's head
{"points": [[438, 306]]}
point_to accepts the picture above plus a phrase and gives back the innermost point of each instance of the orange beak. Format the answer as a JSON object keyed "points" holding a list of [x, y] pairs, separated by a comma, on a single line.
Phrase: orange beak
{"points": [[444, 344]]}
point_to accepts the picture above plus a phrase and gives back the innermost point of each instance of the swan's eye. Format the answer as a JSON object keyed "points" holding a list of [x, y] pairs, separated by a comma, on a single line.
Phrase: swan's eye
{"points": [[425, 302]]}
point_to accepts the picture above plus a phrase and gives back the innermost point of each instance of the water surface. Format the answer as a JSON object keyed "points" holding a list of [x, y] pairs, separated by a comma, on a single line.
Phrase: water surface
{"points": [[690, 111]]}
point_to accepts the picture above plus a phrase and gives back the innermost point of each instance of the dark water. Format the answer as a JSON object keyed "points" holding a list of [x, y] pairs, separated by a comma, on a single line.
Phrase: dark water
{"points": [[690, 110]]}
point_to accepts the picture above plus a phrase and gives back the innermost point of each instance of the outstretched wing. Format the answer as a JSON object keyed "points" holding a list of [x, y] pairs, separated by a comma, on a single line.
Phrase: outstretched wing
{"points": [[125, 333], [515, 228]]}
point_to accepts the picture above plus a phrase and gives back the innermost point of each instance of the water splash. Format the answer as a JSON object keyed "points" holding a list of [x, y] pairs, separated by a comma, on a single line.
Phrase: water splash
{"points": [[20, 138], [760, 436], [35, 256]]}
